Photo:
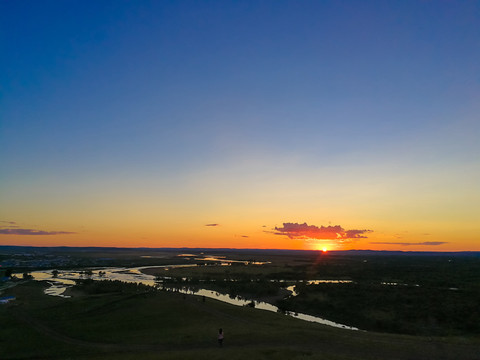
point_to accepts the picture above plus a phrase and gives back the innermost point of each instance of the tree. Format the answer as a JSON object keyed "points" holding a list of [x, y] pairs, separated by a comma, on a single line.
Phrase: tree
{"points": [[27, 276]]}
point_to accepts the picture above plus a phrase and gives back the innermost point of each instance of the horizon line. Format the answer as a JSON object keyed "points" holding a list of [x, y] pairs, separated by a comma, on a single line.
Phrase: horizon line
{"points": [[255, 249]]}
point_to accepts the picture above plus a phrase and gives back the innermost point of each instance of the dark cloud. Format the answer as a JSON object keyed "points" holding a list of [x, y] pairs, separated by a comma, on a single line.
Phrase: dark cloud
{"points": [[305, 231], [356, 234], [32, 232], [427, 243], [212, 224]]}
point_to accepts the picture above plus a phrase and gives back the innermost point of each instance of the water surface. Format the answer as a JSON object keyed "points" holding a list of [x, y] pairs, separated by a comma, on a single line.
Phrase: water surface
{"points": [[66, 279]]}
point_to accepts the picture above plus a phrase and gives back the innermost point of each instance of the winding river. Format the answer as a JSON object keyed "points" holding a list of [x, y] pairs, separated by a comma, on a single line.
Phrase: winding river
{"points": [[66, 279]]}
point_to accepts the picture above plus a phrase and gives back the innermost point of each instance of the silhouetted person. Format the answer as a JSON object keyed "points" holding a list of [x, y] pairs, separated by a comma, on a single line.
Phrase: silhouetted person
{"points": [[220, 337]]}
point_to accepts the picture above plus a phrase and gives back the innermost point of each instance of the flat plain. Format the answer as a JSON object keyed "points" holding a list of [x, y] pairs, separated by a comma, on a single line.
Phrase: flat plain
{"points": [[128, 321]]}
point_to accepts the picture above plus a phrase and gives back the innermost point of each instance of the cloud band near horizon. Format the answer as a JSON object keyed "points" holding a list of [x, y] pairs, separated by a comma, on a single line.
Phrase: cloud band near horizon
{"points": [[33, 232], [305, 231], [426, 243]]}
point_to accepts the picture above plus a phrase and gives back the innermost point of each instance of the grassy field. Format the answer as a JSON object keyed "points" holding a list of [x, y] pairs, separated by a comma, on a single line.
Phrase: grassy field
{"points": [[132, 323]]}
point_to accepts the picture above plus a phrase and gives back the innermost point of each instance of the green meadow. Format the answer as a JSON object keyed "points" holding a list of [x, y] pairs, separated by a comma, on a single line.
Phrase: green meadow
{"points": [[134, 322]]}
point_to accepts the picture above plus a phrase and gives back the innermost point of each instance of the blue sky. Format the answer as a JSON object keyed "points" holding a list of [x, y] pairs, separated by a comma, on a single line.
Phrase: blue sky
{"points": [[185, 96]]}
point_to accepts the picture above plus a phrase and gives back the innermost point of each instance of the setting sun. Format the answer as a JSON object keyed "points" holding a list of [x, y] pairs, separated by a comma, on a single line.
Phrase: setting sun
{"points": [[324, 249]]}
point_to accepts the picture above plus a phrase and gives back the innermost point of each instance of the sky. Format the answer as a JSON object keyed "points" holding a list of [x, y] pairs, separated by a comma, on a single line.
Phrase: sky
{"points": [[240, 124]]}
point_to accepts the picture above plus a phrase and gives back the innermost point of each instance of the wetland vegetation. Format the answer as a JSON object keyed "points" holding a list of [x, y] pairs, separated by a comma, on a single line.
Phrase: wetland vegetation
{"points": [[412, 306]]}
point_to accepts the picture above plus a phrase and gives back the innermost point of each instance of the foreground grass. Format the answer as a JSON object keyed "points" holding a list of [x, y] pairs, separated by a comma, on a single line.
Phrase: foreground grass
{"points": [[162, 325]]}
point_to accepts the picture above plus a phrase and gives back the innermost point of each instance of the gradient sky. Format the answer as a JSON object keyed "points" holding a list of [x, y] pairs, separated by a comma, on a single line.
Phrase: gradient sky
{"points": [[246, 124]]}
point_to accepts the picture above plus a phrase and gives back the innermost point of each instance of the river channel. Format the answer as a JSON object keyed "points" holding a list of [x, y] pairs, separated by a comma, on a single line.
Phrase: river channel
{"points": [[66, 278]]}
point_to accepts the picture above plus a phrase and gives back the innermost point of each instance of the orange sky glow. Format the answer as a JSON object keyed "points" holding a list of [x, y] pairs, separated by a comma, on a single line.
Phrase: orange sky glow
{"points": [[238, 124]]}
